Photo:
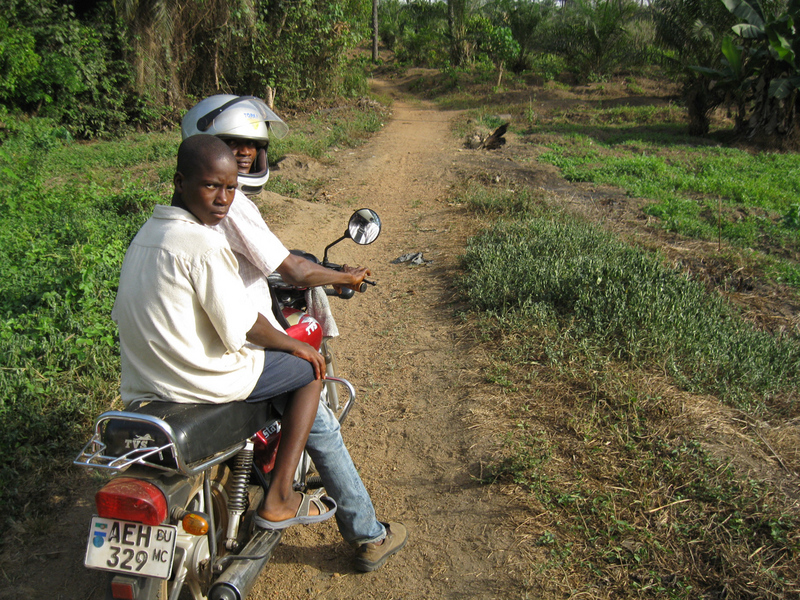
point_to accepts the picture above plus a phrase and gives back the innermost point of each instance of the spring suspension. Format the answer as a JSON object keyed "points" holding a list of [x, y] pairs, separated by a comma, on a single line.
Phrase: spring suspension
{"points": [[237, 496]]}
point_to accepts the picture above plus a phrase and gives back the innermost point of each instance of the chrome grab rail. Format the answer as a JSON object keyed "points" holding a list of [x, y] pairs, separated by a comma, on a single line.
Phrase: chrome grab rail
{"points": [[92, 455], [350, 400]]}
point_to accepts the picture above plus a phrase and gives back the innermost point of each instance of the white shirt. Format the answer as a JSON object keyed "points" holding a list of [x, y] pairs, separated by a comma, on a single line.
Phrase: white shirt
{"points": [[183, 315], [258, 251]]}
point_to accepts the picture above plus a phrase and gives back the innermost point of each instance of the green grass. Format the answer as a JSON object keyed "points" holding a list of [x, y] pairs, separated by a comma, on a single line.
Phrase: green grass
{"points": [[343, 126], [701, 191], [587, 290], [595, 344]]}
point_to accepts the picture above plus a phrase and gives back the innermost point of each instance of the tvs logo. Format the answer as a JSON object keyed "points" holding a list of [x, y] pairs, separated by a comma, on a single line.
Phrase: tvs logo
{"points": [[139, 441]]}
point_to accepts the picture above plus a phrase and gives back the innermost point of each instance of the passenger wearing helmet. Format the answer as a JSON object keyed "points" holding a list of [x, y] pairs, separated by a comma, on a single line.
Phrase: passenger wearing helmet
{"points": [[246, 123]]}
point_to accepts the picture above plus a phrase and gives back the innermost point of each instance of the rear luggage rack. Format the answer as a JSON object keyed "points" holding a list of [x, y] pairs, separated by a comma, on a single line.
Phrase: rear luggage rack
{"points": [[162, 455]]}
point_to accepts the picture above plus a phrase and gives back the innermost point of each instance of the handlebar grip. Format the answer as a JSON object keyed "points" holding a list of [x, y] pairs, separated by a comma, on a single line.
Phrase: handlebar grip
{"points": [[363, 287], [347, 293]]}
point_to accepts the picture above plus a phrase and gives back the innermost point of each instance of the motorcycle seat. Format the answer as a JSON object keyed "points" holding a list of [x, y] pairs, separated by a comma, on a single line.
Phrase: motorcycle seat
{"points": [[198, 430]]}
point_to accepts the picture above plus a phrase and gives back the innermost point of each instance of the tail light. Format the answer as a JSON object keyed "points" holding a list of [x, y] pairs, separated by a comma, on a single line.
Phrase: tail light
{"points": [[129, 499]]}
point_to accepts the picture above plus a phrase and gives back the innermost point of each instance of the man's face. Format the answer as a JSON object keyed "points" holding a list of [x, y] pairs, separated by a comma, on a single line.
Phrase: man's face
{"points": [[245, 152], [208, 193]]}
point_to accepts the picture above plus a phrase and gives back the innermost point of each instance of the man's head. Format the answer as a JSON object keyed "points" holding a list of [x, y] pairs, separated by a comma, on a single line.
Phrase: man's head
{"points": [[245, 151], [205, 179], [247, 124]]}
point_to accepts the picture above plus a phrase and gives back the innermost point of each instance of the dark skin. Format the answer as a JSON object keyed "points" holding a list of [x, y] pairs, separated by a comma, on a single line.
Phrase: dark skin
{"points": [[245, 152], [296, 270], [206, 191]]}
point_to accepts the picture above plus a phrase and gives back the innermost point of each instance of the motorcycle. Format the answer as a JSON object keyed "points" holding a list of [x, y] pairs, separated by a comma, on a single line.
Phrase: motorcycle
{"points": [[177, 514]]}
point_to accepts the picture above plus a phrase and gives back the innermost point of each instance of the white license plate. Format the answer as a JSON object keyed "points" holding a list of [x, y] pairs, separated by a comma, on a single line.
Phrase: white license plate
{"points": [[132, 548]]}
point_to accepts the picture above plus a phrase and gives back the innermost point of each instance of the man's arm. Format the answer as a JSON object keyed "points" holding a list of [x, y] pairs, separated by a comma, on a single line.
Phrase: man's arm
{"points": [[264, 334], [296, 270]]}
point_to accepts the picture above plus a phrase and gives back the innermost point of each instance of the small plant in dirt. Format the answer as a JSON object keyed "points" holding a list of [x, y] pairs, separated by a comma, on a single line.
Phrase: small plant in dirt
{"points": [[492, 202]]}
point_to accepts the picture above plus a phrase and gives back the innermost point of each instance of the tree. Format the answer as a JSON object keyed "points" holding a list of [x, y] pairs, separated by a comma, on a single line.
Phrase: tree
{"points": [[526, 20], [374, 31], [457, 27], [594, 35], [761, 75], [496, 43], [690, 32]]}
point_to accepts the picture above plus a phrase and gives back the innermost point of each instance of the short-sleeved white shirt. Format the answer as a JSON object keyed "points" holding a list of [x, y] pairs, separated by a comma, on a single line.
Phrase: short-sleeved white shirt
{"points": [[258, 251], [183, 315]]}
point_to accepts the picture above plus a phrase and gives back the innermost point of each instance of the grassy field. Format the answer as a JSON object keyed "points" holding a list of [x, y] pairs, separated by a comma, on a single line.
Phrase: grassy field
{"points": [[635, 395]]}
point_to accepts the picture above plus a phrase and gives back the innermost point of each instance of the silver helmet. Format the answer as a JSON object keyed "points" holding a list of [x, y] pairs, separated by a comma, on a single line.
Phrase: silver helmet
{"points": [[240, 117]]}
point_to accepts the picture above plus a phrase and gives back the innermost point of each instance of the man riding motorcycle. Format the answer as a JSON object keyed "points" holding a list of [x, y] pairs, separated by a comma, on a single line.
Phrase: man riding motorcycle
{"points": [[245, 124]]}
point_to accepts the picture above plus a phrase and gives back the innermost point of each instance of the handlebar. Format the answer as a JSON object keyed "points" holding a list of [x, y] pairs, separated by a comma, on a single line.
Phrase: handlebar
{"points": [[347, 292]]}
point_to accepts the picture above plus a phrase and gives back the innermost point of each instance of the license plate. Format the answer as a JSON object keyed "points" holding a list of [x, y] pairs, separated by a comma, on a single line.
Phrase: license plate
{"points": [[132, 548]]}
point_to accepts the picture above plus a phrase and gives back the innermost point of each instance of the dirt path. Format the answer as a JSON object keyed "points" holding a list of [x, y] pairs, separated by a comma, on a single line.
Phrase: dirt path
{"points": [[411, 433]]}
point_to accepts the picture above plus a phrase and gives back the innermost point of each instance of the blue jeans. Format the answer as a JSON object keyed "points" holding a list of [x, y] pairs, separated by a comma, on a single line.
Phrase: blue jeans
{"points": [[355, 515]]}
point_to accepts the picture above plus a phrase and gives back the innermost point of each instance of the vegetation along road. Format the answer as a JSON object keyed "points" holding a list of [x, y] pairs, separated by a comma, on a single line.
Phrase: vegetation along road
{"points": [[572, 397]]}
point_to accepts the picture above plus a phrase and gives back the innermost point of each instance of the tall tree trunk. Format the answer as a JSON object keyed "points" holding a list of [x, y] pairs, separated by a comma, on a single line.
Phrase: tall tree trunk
{"points": [[456, 18], [374, 31]]}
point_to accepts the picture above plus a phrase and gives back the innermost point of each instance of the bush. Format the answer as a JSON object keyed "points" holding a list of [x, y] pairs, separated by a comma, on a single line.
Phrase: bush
{"points": [[61, 249]]}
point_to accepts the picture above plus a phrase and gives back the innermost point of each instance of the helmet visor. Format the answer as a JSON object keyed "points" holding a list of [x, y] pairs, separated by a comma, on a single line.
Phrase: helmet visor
{"points": [[254, 109]]}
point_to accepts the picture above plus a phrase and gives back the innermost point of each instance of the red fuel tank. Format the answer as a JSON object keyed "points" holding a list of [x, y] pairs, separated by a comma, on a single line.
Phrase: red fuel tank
{"points": [[303, 327]]}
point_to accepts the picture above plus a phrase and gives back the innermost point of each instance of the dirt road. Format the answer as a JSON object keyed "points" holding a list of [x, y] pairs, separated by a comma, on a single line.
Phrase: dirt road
{"points": [[412, 432]]}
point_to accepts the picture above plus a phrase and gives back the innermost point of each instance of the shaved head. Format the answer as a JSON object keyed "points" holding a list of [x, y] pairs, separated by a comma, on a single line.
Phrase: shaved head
{"points": [[198, 152], [205, 179]]}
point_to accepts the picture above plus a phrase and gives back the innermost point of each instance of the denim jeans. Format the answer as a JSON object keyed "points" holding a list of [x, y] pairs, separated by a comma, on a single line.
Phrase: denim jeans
{"points": [[355, 514]]}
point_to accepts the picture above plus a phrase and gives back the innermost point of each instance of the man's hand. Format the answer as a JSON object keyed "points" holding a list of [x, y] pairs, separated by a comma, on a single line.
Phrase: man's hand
{"points": [[357, 273], [301, 272], [265, 335], [307, 352]]}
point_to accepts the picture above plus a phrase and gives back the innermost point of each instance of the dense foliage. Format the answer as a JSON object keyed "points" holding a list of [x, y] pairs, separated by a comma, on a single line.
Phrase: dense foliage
{"points": [[131, 64], [128, 64], [760, 73], [63, 234]]}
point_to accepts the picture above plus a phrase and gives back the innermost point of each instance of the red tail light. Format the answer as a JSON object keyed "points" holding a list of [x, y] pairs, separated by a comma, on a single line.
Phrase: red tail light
{"points": [[130, 499]]}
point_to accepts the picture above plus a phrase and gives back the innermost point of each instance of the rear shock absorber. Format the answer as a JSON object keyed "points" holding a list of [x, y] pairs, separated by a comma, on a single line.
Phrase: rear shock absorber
{"points": [[237, 498]]}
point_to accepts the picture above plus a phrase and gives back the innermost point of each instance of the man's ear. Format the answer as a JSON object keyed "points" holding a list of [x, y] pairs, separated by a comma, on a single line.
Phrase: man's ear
{"points": [[177, 181]]}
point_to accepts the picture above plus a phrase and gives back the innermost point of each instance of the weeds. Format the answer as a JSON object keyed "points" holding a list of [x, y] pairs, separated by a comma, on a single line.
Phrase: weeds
{"points": [[341, 126], [697, 190], [631, 500], [587, 289]]}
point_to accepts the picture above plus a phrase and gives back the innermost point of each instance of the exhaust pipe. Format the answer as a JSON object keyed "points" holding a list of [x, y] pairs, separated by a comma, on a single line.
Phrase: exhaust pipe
{"points": [[237, 580]]}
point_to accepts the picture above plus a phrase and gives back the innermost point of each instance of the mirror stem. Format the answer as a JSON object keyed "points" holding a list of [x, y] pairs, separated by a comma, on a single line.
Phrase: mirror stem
{"points": [[325, 255]]}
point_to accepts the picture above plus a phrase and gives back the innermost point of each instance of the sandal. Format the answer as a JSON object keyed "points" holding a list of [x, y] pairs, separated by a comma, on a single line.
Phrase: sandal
{"points": [[325, 504]]}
